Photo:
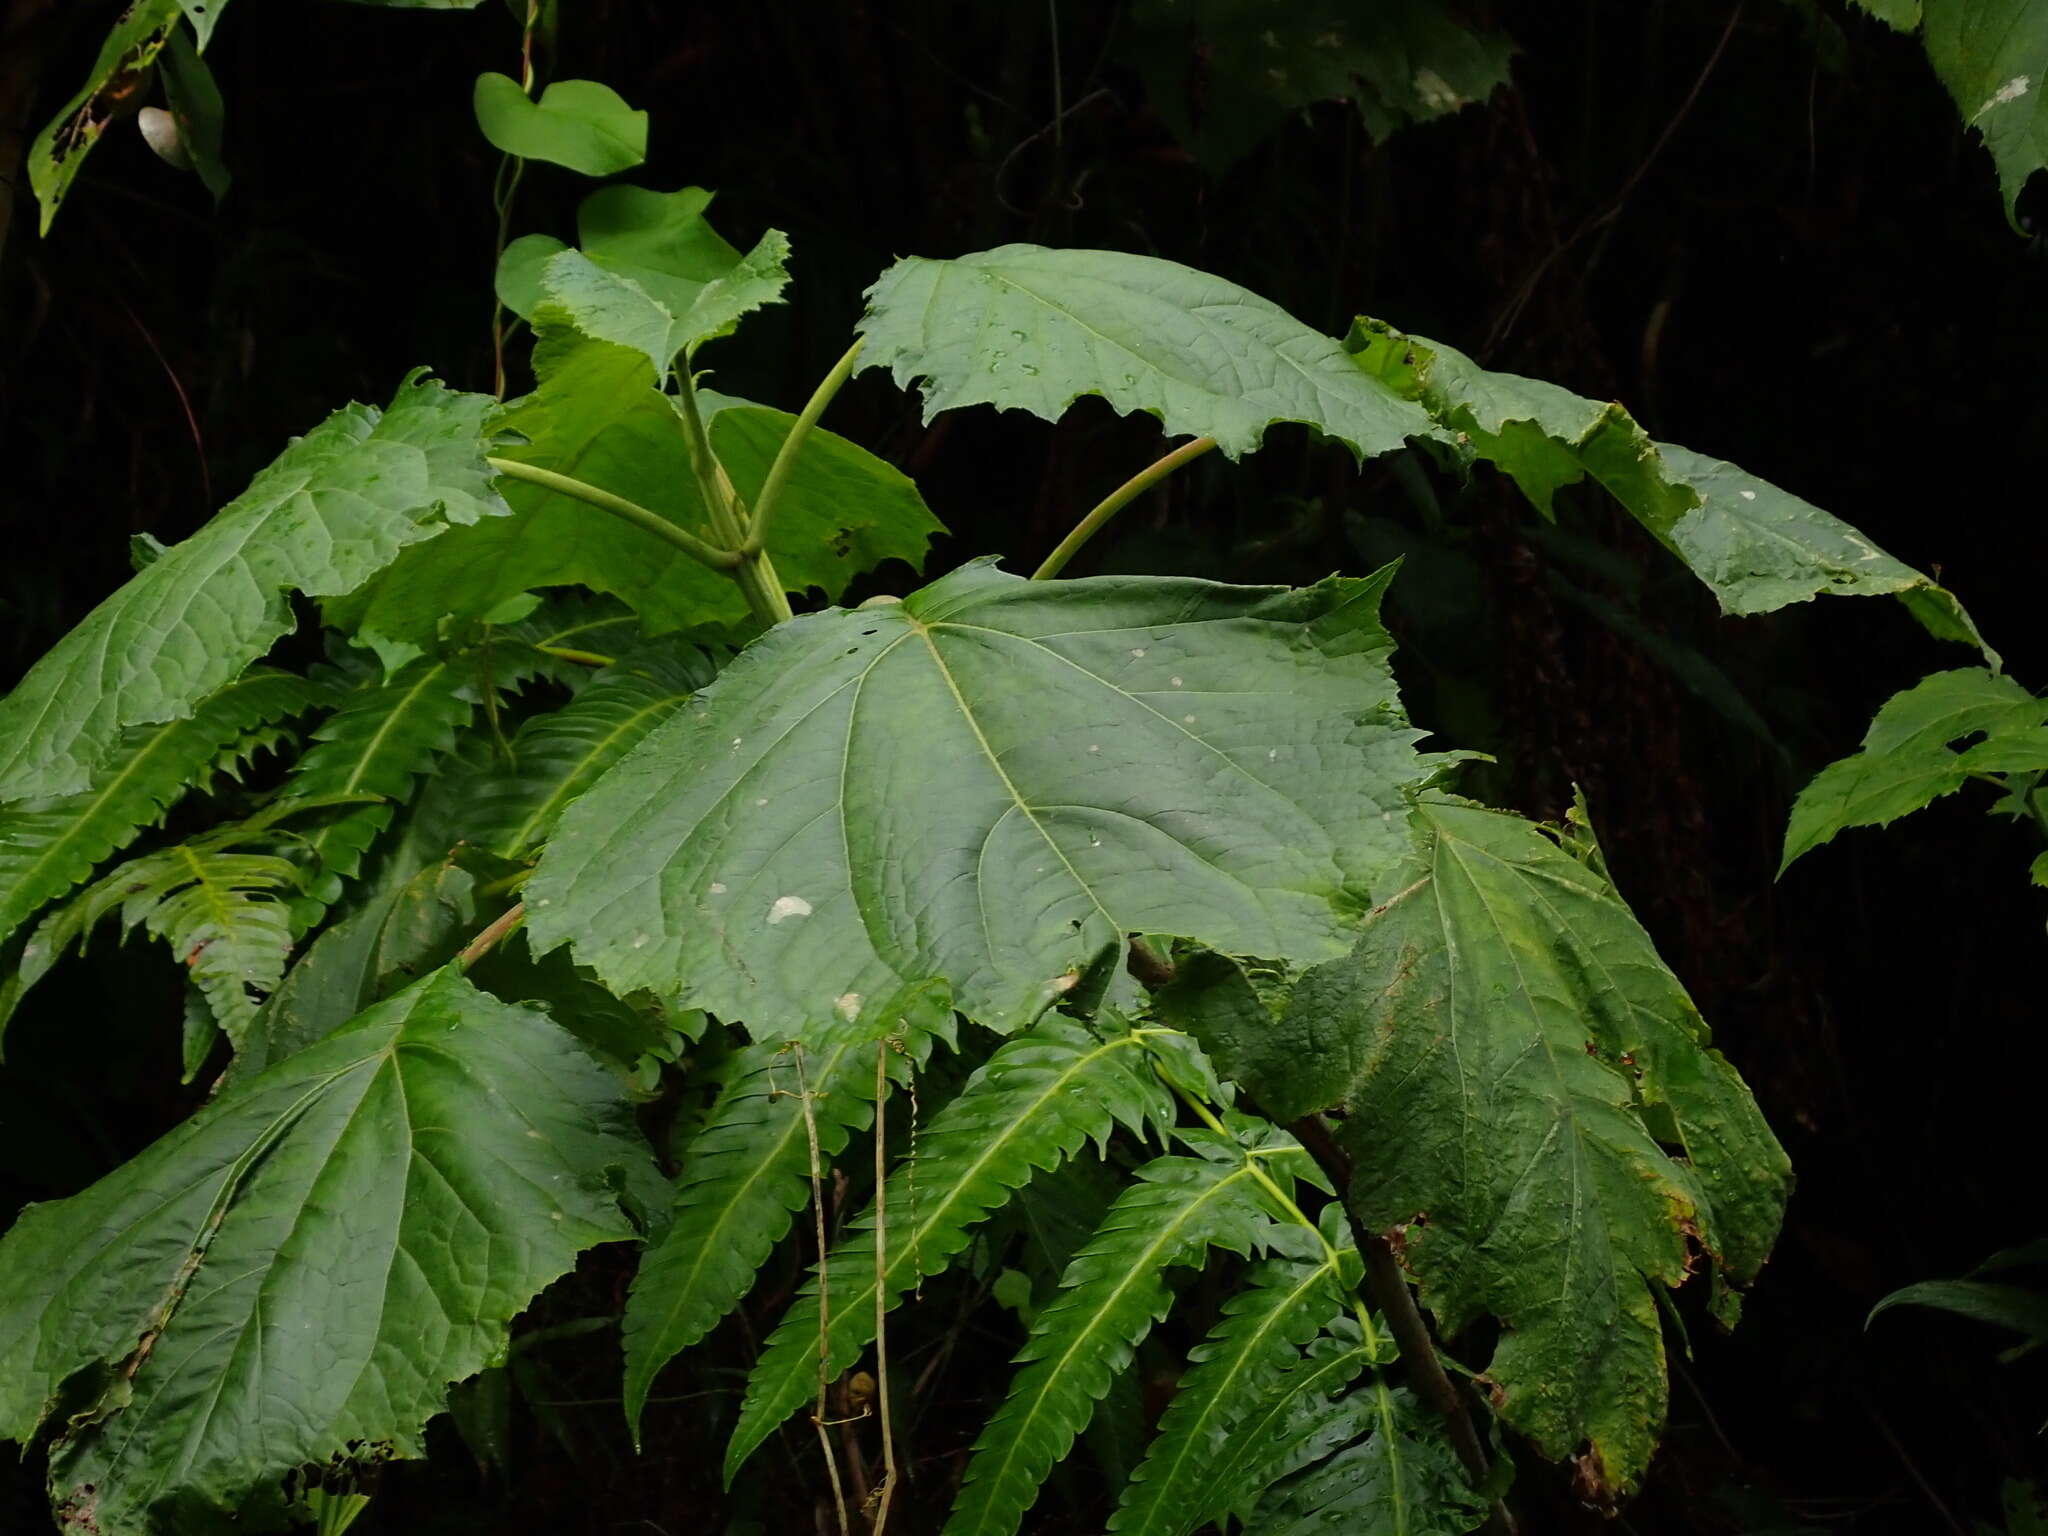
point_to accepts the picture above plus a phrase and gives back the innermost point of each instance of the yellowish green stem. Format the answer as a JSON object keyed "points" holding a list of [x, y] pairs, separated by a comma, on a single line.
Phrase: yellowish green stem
{"points": [[786, 455], [1116, 501], [631, 511]]}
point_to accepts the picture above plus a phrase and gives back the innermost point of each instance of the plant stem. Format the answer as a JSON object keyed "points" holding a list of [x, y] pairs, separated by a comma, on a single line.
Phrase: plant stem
{"points": [[886, 1490], [583, 658], [480, 946], [753, 573], [786, 455], [510, 169], [803, 1086], [1116, 501], [649, 522]]}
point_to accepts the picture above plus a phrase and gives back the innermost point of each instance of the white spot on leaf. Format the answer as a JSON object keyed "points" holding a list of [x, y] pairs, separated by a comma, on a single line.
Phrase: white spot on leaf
{"points": [[1176, 682], [718, 887], [1093, 747], [788, 906], [1187, 719], [762, 801], [1749, 495], [2012, 90], [848, 1004], [639, 941], [1138, 651]]}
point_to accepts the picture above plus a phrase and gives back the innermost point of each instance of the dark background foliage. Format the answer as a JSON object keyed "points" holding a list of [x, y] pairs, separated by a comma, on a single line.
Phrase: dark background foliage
{"points": [[1763, 228]]}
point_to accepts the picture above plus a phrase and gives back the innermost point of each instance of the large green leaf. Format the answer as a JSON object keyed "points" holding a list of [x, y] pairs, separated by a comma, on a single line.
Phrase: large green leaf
{"points": [[989, 782], [1225, 74], [1755, 546], [596, 416], [1113, 1291], [300, 1271], [582, 124], [336, 507], [1992, 55], [1511, 1059], [1907, 760], [121, 70], [1024, 328], [1033, 1105], [49, 845], [746, 1173]]}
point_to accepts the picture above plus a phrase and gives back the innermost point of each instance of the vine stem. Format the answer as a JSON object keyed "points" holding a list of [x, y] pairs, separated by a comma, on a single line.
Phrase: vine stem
{"points": [[631, 511], [785, 456], [1116, 501], [510, 169], [887, 1490], [803, 1088]]}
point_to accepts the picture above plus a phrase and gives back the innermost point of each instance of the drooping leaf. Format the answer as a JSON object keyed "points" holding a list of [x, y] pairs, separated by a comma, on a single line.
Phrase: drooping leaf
{"points": [[49, 845], [1907, 760], [1403, 1479], [582, 124], [608, 305], [991, 781], [299, 1271], [204, 16], [511, 808], [336, 507], [195, 106], [1026, 328], [746, 1174], [596, 416], [119, 75], [1755, 546], [1176, 1210], [1225, 74], [1284, 1304], [2021, 1308], [1030, 1107], [1509, 1015]]}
